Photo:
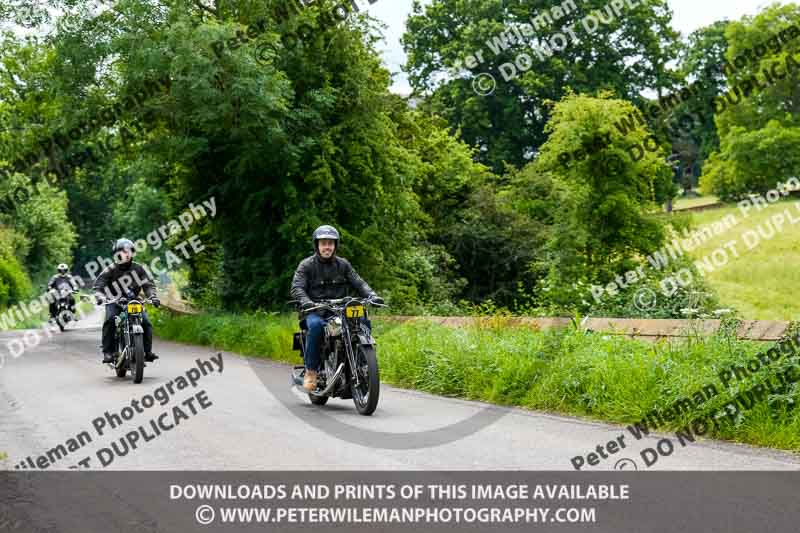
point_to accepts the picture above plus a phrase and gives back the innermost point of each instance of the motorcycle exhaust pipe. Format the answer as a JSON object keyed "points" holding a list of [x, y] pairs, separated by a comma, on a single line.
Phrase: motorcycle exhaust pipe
{"points": [[331, 382]]}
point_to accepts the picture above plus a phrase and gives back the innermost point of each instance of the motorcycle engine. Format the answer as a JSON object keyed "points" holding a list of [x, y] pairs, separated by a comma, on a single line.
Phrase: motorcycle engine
{"points": [[334, 327], [330, 368]]}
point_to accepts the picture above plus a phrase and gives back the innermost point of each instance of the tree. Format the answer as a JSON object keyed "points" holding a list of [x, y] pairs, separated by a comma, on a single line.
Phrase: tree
{"points": [[608, 197], [700, 63], [39, 213], [285, 132], [628, 55], [757, 117]]}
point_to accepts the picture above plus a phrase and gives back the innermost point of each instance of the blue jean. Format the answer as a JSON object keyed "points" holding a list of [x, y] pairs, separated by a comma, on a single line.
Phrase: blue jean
{"points": [[315, 325]]}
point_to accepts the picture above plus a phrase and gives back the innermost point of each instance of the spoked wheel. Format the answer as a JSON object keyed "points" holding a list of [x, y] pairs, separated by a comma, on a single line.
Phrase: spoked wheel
{"points": [[365, 394], [137, 356]]}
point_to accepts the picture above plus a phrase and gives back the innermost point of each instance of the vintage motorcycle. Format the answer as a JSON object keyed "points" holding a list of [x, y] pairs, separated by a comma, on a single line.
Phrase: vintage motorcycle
{"points": [[349, 361], [64, 312], [130, 338]]}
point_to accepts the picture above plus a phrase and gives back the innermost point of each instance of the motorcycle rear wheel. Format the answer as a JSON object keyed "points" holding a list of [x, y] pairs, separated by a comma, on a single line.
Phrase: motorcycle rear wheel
{"points": [[365, 395]]}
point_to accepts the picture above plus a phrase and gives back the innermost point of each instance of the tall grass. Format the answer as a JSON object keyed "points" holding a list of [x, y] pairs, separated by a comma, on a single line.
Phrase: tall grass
{"points": [[603, 377]]}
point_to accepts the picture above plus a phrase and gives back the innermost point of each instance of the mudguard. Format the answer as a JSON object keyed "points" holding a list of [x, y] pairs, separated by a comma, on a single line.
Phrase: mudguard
{"points": [[366, 340]]}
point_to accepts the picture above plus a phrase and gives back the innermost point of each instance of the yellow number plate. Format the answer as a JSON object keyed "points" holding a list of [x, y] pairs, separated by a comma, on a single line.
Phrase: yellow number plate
{"points": [[135, 309], [357, 311]]}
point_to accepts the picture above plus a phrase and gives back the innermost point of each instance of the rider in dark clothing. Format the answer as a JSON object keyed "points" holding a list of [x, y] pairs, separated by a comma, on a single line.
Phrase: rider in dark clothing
{"points": [[324, 276], [62, 280], [128, 279]]}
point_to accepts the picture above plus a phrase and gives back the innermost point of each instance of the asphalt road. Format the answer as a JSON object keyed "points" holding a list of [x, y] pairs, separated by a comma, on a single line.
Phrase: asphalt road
{"points": [[247, 417]]}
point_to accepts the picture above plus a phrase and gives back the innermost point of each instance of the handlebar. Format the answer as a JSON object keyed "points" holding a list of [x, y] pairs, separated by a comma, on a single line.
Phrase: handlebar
{"points": [[124, 301], [334, 305]]}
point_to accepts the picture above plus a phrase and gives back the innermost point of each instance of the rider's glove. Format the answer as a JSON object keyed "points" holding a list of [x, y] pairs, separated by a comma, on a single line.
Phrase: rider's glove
{"points": [[376, 299], [155, 301], [98, 299], [308, 304]]}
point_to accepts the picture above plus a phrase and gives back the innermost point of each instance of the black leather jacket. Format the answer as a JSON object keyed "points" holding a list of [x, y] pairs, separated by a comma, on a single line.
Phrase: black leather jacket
{"points": [[116, 278], [58, 280], [319, 279]]}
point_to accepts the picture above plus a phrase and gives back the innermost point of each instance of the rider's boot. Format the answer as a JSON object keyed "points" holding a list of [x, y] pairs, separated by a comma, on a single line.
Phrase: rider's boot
{"points": [[109, 358], [310, 381], [150, 357]]}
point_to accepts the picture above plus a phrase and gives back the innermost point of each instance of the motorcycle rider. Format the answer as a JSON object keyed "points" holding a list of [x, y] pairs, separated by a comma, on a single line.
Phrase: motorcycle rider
{"points": [[126, 278], [323, 276], [62, 280]]}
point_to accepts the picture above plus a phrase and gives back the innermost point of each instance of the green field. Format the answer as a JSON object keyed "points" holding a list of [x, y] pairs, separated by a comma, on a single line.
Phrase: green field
{"points": [[763, 282]]}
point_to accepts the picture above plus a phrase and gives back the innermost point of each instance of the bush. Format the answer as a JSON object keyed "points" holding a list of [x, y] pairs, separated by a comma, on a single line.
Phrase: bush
{"points": [[660, 294], [15, 285], [41, 217]]}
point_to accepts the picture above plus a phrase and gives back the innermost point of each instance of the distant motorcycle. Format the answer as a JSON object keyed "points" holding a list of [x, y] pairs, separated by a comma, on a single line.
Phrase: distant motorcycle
{"points": [[349, 361], [64, 303], [130, 338]]}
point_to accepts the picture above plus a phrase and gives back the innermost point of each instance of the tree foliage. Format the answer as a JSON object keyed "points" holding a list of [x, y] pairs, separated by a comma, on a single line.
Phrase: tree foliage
{"points": [[138, 108], [628, 55], [600, 207], [759, 131]]}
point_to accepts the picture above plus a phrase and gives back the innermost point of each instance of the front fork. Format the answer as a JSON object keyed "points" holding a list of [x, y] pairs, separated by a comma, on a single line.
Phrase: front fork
{"points": [[351, 357], [127, 326]]}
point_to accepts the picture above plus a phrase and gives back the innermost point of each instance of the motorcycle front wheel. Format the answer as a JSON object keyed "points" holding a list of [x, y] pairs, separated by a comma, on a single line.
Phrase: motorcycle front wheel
{"points": [[366, 393], [62, 319], [137, 358]]}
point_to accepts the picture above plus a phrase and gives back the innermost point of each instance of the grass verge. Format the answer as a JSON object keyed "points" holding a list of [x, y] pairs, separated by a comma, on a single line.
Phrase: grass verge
{"points": [[603, 377]]}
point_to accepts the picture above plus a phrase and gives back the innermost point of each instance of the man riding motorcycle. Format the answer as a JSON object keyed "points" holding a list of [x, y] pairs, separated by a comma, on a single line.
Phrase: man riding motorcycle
{"points": [[66, 281], [128, 279], [323, 276]]}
